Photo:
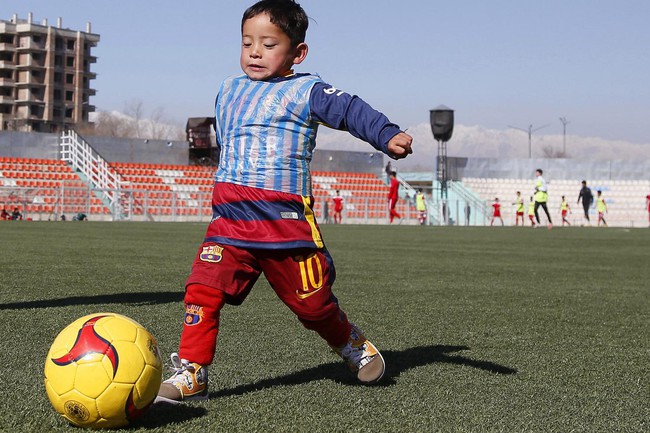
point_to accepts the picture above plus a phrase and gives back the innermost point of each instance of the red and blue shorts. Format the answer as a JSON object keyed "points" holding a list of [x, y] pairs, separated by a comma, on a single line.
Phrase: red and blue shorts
{"points": [[302, 279]]}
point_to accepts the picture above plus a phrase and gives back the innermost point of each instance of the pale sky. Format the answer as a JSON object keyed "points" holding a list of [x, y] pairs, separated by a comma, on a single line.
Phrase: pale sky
{"points": [[497, 63]]}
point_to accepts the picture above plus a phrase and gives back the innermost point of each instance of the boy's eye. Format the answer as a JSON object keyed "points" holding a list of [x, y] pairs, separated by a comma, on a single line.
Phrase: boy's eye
{"points": [[269, 46], [246, 44]]}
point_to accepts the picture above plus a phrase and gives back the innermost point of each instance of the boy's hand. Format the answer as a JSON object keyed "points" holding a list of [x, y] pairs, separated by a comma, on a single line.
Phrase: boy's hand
{"points": [[400, 146]]}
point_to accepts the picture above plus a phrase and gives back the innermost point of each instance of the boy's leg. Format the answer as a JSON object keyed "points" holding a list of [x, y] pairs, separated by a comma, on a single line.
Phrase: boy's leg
{"points": [[198, 343], [220, 274], [203, 306], [303, 281], [312, 272]]}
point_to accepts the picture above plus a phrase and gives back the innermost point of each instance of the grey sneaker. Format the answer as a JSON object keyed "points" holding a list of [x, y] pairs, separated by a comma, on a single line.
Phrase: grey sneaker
{"points": [[362, 357], [189, 382]]}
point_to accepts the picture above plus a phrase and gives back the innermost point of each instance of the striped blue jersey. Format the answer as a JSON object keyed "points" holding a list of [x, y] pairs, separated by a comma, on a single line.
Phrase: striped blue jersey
{"points": [[267, 129], [266, 133]]}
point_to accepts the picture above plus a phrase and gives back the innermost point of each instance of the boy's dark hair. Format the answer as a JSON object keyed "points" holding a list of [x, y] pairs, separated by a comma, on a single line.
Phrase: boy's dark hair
{"points": [[286, 14], [540, 171]]}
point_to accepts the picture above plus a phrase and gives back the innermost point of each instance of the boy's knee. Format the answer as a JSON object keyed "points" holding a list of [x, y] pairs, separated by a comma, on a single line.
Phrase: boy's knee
{"points": [[316, 312]]}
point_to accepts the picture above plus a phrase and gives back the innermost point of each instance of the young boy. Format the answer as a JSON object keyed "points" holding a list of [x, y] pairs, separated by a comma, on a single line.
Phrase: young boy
{"points": [[519, 209], [564, 209], [531, 212], [496, 206], [601, 206], [263, 221], [338, 207], [421, 206], [393, 196]]}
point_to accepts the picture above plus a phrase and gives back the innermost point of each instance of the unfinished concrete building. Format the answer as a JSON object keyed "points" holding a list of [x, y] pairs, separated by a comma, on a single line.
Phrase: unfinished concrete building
{"points": [[45, 76]]}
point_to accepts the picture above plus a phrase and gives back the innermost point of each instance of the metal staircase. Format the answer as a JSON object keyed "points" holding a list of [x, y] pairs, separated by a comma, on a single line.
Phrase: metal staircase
{"points": [[433, 207], [96, 170]]}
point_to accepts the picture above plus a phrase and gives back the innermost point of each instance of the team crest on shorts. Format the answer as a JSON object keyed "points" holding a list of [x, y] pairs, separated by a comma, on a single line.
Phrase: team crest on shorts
{"points": [[212, 253], [193, 314]]}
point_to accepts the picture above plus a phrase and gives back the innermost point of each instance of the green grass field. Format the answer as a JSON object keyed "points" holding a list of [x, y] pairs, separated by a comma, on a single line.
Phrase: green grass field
{"points": [[483, 330]]}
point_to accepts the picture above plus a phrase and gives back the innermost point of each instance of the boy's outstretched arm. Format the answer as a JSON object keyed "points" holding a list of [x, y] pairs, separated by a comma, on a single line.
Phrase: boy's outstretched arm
{"points": [[340, 110]]}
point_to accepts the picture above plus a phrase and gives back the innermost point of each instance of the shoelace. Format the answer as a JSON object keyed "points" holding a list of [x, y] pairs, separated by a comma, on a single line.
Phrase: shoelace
{"points": [[355, 354], [179, 366]]}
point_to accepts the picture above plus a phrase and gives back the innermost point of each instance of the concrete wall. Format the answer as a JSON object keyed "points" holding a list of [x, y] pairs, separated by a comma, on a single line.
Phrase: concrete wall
{"points": [[142, 151], [340, 160], [29, 145], [40, 145], [568, 169]]}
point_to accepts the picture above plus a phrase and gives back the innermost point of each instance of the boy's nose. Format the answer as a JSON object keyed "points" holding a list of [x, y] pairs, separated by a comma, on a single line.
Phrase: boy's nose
{"points": [[255, 52]]}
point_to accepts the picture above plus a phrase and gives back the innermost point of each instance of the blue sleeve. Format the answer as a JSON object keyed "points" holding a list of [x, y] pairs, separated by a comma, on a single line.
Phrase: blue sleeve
{"points": [[339, 110]]}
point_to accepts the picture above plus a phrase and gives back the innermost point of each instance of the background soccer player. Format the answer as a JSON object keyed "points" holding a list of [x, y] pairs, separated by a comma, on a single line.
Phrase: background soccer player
{"points": [[587, 199], [393, 196]]}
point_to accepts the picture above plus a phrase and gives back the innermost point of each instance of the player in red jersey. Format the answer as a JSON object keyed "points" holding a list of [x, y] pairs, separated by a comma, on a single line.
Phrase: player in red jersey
{"points": [[393, 196], [338, 207], [647, 203], [496, 211]]}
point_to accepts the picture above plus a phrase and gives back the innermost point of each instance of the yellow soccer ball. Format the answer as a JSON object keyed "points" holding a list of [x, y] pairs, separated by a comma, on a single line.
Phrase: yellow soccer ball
{"points": [[103, 371]]}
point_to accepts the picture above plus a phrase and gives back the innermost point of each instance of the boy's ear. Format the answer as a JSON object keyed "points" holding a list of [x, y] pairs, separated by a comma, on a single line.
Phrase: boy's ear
{"points": [[301, 53]]}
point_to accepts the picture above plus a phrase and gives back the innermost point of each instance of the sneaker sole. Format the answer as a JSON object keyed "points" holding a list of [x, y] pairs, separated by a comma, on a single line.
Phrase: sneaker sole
{"points": [[198, 397], [373, 371]]}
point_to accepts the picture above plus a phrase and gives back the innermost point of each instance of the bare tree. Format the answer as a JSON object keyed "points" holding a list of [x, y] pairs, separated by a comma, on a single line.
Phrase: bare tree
{"points": [[108, 124], [549, 152], [133, 123], [135, 110], [161, 127]]}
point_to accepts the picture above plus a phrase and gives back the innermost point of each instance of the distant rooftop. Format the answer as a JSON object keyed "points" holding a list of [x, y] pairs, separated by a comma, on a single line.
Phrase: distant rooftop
{"points": [[30, 20]]}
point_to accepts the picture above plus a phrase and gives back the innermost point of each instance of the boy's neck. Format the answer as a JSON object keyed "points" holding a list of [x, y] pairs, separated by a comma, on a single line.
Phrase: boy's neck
{"points": [[287, 74]]}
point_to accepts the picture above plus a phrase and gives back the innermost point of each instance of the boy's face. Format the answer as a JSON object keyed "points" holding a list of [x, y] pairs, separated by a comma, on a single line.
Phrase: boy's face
{"points": [[266, 51]]}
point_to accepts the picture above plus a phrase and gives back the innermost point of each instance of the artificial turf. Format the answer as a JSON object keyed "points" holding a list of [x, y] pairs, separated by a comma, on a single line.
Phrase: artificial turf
{"points": [[482, 329]]}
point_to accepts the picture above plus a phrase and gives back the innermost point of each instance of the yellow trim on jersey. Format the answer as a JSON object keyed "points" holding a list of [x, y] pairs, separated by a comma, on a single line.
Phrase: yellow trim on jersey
{"points": [[311, 220]]}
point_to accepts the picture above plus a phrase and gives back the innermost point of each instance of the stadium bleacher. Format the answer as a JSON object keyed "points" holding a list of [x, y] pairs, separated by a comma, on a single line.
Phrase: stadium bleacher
{"points": [[365, 196], [45, 189], [625, 198]]}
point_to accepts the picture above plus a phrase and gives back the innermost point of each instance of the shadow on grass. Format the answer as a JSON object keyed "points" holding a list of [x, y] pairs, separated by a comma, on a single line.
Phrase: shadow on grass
{"points": [[397, 361], [143, 298], [161, 415]]}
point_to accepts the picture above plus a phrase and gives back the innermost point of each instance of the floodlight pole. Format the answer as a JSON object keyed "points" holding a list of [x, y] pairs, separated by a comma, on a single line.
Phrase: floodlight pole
{"points": [[530, 131], [442, 126], [564, 124]]}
